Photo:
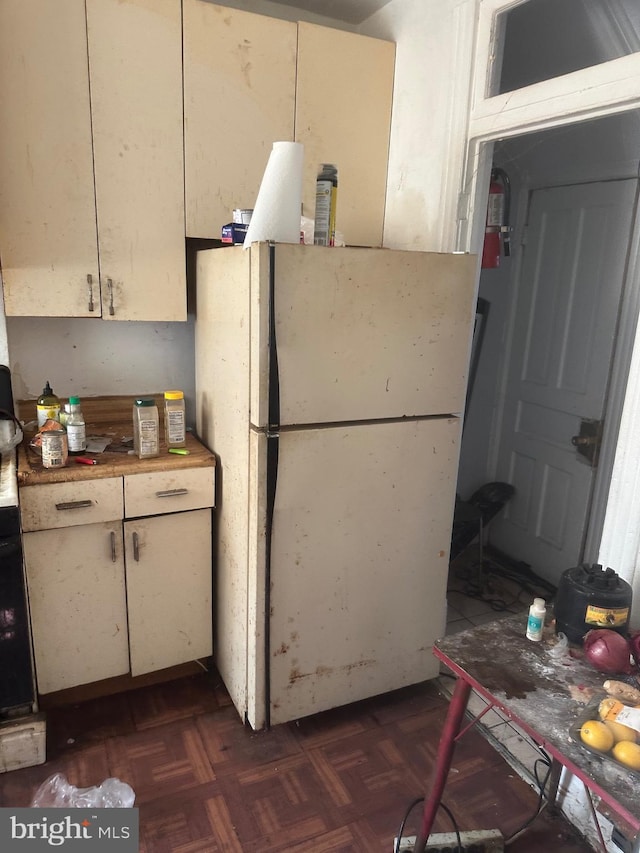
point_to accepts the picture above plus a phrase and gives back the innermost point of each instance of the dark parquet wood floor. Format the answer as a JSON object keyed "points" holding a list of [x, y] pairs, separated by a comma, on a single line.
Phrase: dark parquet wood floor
{"points": [[335, 782]]}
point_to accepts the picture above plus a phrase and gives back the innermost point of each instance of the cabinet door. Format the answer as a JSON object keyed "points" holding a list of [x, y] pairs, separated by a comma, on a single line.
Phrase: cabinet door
{"points": [[75, 578], [343, 115], [239, 90], [168, 567], [135, 62], [48, 242]]}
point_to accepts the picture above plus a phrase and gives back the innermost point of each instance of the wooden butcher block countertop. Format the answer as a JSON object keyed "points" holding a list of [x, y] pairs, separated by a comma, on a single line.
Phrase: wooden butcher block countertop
{"points": [[109, 417]]}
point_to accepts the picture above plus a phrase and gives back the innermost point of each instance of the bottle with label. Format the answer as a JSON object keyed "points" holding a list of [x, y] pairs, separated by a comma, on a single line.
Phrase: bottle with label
{"points": [[146, 442], [535, 622], [324, 233], [174, 419], [47, 405], [75, 426]]}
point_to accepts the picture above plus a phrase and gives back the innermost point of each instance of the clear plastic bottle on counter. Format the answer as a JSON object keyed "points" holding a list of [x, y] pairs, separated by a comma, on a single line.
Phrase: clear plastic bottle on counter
{"points": [[174, 419], [65, 411], [75, 426], [47, 405], [146, 440]]}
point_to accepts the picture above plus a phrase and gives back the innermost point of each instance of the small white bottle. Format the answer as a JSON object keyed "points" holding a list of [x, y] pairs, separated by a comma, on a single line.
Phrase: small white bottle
{"points": [[75, 426], [535, 622]]}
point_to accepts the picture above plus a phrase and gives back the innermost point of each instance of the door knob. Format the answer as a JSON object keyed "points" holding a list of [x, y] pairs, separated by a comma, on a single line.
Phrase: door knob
{"points": [[583, 440], [587, 442]]}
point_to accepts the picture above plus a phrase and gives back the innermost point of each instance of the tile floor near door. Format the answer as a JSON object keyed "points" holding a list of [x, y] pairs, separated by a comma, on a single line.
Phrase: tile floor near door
{"points": [[335, 782]]}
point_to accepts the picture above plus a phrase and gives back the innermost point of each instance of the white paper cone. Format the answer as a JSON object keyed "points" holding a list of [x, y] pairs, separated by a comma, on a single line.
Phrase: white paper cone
{"points": [[276, 213]]}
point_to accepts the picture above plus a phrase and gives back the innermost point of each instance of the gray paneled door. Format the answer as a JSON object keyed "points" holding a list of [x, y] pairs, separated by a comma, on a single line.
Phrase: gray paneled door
{"points": [[564, 332]]}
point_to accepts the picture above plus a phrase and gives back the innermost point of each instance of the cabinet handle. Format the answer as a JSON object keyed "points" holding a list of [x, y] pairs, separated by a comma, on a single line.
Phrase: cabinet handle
{"points": [[110, 288], [172, 493], [136, 548], [74, 505], [113, 547], [90, 284]]}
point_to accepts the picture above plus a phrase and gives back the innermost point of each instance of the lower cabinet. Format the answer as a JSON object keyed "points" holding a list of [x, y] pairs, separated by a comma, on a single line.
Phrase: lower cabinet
{"points": [[168, 573], [78, 604], [132, 595]]}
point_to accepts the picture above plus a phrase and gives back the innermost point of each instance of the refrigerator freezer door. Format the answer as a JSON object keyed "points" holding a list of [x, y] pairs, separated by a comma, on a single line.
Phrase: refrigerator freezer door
{"points": [[362, 334], [359, 561]]}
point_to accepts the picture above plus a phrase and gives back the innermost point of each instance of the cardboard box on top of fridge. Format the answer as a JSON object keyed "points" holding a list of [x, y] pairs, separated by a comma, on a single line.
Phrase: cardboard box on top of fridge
{"points": [[234, 232]]}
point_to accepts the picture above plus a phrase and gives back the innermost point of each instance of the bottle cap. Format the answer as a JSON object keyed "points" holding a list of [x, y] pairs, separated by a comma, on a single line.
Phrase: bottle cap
{"points": [[538, 603], [173, 395], [145, 401], [74, 401]]}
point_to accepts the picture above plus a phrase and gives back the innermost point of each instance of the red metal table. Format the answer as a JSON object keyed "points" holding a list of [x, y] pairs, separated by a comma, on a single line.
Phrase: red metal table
{"points": [[543, 696]]}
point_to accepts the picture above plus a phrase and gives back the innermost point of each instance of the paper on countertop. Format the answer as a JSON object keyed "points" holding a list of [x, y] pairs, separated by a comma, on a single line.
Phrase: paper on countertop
{"points": [[276, 213], [97, 443]]}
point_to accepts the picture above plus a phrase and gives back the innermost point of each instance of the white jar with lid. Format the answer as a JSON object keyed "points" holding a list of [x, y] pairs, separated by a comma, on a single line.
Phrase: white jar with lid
{"points": [[146, 441], [174, 419]]}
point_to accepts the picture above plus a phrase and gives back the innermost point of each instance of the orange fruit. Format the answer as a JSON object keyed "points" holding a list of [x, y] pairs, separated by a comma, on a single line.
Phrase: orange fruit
{"points": [[628, 753], [621, 732], [596, 735]]}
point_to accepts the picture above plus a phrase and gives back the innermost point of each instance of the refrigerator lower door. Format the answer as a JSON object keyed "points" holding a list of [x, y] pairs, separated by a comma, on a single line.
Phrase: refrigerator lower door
{"points": [[358, 561]]}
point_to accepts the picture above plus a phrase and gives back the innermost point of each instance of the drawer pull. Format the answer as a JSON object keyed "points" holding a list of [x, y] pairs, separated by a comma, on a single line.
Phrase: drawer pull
{"points": [[172, 493], [74, 505], [136, 548], [113, 547]]}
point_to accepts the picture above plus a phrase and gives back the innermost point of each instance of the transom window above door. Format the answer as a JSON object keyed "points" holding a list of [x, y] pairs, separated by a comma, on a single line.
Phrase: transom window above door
{"points": [[543, 39]]}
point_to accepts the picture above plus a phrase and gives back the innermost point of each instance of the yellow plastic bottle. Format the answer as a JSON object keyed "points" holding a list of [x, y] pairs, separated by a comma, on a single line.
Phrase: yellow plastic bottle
{"points": [[174, 419], [47, 405]]}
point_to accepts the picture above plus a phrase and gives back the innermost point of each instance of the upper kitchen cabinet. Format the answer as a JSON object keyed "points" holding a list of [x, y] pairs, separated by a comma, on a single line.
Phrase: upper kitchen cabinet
{"points": [[91, 177], [344, 91], [250, 81], [48, 241], [239, 97]]}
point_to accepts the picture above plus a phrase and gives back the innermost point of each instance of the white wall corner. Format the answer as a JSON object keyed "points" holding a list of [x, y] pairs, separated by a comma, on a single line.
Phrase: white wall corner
{"points": [[429, 120], [620, 542]]}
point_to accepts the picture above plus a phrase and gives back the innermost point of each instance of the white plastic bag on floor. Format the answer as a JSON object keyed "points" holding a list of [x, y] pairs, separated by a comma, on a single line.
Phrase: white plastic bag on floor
{"points": [[56, 792]]}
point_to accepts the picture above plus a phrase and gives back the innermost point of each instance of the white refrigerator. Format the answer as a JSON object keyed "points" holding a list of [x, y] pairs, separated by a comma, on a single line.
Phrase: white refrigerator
{"points": [[330, 384]]}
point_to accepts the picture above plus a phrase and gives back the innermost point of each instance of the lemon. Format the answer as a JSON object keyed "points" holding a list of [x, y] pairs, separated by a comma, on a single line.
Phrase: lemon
{"points": [[621, 732], [596, 735], [628, 753]]}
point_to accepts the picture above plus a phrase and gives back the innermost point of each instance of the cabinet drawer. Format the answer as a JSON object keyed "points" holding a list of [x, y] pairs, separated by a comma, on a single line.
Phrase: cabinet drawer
{"points": [[168, 491], [53, 505]]}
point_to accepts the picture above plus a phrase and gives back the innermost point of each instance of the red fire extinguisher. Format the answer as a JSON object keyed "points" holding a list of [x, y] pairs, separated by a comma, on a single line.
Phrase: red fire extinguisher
{"points": [[497, 227]]}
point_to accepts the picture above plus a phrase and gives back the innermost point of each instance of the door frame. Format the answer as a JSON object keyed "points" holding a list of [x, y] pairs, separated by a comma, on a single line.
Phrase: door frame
{"points": [[595, 92]]}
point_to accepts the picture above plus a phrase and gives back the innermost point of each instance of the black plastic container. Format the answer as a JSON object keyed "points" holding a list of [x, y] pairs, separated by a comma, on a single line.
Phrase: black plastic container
{"points": [[591, 597]]}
